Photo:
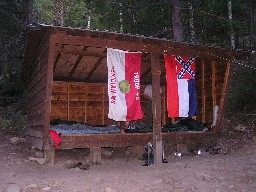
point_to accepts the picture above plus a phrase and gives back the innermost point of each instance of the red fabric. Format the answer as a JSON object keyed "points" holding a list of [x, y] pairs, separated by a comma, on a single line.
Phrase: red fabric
{"points": [[172, 86], [132, 74], [56, 138]]}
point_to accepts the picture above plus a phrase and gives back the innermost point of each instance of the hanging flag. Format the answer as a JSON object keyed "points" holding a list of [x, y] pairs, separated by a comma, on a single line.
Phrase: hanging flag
{"points": [[181, 93], [124, 85]]}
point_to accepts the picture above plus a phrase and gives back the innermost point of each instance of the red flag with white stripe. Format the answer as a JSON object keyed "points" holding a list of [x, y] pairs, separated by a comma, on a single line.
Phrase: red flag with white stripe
{"points": [[124, 85]]}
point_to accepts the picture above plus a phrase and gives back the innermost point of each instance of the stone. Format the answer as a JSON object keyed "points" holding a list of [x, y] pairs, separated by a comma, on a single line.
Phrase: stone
{"points": [[108, 189], [13, 188], [240, 127], [32, 186], [46, 188], [40, 161], [106, 152], [14, 140], [17, 140]]}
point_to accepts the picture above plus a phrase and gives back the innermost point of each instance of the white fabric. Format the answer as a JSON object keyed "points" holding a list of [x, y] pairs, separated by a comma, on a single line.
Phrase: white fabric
{"points": [[183, 97], [148, 91], [116, 59]]}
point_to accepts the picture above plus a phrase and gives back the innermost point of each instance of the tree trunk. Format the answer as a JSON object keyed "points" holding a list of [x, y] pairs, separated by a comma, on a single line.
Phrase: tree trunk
{"points": [[232, 35], [59, 12], [121, 18], [177, 21], [89, 20], [191, 24], [30, 12]]}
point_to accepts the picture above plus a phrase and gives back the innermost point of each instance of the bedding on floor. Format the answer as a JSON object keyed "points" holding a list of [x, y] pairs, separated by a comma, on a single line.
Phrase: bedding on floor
{"points": [[73, 127]]}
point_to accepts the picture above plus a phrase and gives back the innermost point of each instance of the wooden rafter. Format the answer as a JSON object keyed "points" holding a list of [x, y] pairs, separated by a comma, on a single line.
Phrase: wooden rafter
{"points": [[79, 58], [95, 66], [57, 58], [82, 53], [147, 45]]}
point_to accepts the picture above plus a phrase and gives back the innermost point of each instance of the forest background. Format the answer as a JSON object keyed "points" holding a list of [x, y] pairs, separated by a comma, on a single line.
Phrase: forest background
{"points": [[227, 24]]}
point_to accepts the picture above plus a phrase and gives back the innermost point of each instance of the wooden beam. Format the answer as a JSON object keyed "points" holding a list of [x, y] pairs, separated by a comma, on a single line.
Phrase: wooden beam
{"points": [[203, 91], [71, 141], [79, 58], [95, 66], [214, 91], [95, 155], [156, 102], [57, 58], [223, 95], [145, 73], [48, 149], [82, 53], [146, 45]]}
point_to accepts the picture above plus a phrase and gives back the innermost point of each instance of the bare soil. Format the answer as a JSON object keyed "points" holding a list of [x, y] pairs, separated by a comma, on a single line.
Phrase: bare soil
{"points": [[232, 169]]}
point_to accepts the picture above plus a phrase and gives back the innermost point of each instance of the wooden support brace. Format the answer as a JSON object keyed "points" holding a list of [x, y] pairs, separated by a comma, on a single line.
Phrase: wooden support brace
{"points": [[95, 155], [49, 156]]}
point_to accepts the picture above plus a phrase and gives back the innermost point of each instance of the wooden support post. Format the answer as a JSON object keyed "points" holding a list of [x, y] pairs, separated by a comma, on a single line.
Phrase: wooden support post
{"points": [[214, 91], [68, 102], [203, 91], [49, 156], [214, 99], [223, 95], [156, 108], [48, 149], [95, 155]]}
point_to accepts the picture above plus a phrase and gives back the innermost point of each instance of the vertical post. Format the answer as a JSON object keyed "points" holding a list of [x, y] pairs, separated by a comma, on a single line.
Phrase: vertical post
{"points": [[95, 155], [156, 108], [49, 151], [224, 94], [214, 97], [68, 101], [203, 91]]}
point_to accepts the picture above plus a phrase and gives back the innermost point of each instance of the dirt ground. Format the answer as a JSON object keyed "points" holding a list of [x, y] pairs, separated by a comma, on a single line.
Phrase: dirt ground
{"points": [[233, 168]]}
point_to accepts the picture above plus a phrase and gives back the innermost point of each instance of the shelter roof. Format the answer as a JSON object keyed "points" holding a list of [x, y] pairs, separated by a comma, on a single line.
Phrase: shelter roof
{"points": [[81, 54]]}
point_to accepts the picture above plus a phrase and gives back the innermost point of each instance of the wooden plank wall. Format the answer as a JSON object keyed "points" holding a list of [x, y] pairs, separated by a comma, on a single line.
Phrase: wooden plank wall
{"points": [[209, 84], [84, 102], [88, 102], [36, 94]]}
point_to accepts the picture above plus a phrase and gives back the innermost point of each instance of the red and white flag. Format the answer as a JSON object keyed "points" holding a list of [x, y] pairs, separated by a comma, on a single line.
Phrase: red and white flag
{"points": [[124, 85]]}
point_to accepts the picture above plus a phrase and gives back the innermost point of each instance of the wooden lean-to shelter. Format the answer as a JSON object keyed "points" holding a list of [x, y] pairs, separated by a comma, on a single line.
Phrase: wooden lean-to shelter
{"points": [[65, 73]]}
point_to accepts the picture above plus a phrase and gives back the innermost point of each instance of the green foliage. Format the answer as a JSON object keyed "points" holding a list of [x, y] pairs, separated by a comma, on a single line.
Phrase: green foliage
{"points": [[77, 15], [44, 11], [153, 18], [13, 16], [12, 117], [242, 94]]}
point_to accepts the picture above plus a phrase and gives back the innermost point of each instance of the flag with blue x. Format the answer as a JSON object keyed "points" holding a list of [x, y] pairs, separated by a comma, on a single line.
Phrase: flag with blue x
{"points": [[186, 69]]}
